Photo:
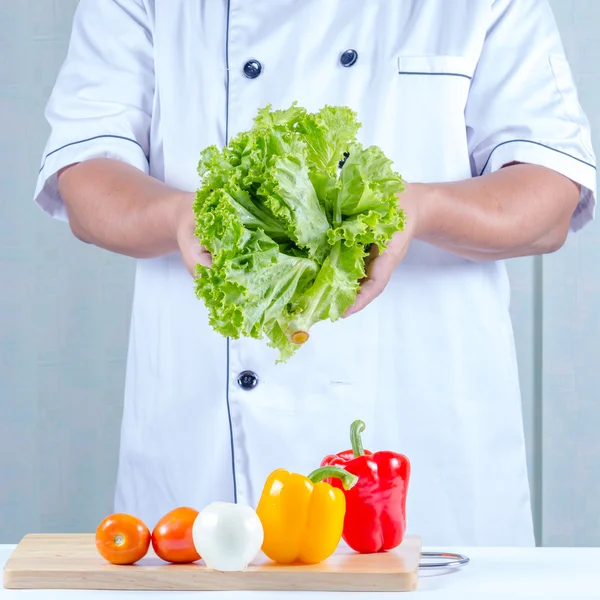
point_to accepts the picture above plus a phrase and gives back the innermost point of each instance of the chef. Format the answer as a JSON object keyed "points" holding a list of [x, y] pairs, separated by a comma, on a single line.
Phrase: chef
{"points": [[474, 102]]}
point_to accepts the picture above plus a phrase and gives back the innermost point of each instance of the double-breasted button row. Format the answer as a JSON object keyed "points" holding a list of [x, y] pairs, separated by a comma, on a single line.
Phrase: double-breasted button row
{"points": [[253, 68]]}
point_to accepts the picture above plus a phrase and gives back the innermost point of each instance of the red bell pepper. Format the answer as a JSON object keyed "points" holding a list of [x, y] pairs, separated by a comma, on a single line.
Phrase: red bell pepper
{"points": [[375, 518]]}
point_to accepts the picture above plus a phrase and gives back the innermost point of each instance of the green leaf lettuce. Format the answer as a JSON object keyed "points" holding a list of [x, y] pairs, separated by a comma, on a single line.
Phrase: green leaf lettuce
{"points": [[289, 210]]}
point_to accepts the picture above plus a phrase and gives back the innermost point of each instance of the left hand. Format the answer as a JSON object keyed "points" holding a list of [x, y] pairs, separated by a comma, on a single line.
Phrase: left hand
{"points": [[192, 253], [379, 267]]}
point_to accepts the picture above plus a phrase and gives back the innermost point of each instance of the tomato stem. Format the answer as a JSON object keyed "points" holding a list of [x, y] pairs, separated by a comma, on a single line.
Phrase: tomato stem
{"points": [[119, 540]]}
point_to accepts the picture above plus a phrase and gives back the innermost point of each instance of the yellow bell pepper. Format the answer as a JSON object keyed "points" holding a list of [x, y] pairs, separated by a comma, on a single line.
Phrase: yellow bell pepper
{"points": [[303, 517]]}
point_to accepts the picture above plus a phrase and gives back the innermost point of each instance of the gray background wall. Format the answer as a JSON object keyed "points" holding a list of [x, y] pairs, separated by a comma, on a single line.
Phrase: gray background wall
{"points": [[64, 313]]}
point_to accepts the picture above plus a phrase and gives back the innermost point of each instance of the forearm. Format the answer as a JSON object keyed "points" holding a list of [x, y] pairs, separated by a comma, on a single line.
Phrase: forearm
{"points": [[117, 207], [518, 211]]}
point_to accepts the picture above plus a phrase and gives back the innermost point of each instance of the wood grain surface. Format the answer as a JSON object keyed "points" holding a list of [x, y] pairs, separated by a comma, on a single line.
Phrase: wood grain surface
{"points": [[70, 561]]}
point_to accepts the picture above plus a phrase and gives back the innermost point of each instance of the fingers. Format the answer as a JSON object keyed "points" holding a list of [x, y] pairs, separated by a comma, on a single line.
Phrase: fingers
{"points": [[192, 253], [373, 254], [379, 271], [196, 255], [205, 257]]}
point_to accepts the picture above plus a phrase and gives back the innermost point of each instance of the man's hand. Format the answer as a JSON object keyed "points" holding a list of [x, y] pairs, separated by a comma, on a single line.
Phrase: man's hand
{"points": [[192, 252], [520, 210], [380, 267], [115, 206]]}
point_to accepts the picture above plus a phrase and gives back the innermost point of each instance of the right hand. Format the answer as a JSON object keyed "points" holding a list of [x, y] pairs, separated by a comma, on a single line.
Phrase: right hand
{"points": [[192, 252]]}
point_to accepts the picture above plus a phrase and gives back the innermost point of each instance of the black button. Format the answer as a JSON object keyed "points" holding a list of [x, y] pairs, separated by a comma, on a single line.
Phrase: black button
{"points": [[247, 380], [252, 69], [348, 58]]}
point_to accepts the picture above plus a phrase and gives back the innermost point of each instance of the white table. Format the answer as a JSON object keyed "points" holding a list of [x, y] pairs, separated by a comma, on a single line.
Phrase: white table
{"points": [[507, 573]]}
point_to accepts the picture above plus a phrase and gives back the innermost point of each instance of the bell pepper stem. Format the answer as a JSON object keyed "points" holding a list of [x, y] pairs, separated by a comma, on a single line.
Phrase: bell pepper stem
{"points": [[355, 438], [348, 479]]}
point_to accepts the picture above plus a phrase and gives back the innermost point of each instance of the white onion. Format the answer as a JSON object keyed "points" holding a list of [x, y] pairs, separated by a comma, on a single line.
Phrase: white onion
{"points": [[227, 536]]}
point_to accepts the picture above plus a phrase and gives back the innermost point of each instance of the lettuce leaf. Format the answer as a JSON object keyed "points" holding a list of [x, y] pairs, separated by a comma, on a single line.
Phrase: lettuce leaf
{"points": [[289, 210]]}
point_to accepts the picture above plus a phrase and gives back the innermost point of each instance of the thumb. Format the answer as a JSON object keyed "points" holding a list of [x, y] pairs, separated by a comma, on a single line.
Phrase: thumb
{"points": [[194, 255]]}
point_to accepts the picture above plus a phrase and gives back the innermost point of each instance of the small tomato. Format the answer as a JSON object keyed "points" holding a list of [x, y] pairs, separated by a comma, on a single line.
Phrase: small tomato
{"points": [[172, 537], [122, 539]]}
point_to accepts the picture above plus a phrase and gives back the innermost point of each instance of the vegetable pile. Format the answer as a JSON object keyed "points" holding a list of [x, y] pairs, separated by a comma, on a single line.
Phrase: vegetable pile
{"points": [[356, 494], [289, 210]]}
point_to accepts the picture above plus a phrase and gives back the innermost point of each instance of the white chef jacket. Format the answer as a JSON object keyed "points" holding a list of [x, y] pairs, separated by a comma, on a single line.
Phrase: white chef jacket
{"points": [[449, 90]]}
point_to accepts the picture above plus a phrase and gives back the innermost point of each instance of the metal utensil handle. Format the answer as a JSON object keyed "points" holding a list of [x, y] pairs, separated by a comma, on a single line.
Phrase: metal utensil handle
{"points": [[453, 560]]}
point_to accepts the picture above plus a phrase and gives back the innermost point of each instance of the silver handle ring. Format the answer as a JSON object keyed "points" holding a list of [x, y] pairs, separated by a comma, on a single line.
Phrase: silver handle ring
{"points": [[452, 560]]}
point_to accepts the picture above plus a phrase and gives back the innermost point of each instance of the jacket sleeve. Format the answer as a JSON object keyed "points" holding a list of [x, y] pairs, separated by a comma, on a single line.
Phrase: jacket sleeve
{"points": [[523, 104], [101, 104]]}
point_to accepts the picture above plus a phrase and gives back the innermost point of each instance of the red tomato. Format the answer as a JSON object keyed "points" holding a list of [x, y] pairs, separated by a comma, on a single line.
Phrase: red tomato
{"points": [[122, 539], [172, 537]]}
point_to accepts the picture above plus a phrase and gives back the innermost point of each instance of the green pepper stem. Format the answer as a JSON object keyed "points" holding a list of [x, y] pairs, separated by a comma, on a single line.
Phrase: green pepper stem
{"points": [[348, 479], [355, 438]]}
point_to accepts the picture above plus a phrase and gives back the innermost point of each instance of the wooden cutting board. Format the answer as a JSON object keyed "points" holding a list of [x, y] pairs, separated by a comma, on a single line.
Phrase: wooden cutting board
{"points": [[70, 561]]}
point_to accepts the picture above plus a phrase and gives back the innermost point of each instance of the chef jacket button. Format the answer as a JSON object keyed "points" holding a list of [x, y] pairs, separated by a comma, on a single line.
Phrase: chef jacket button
{"points": [[348, 58], [252, 69], [247, 380]]}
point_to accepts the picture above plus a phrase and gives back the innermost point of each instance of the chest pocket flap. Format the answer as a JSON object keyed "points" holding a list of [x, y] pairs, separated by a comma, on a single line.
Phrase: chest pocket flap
{"points": [[435, 65]]}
